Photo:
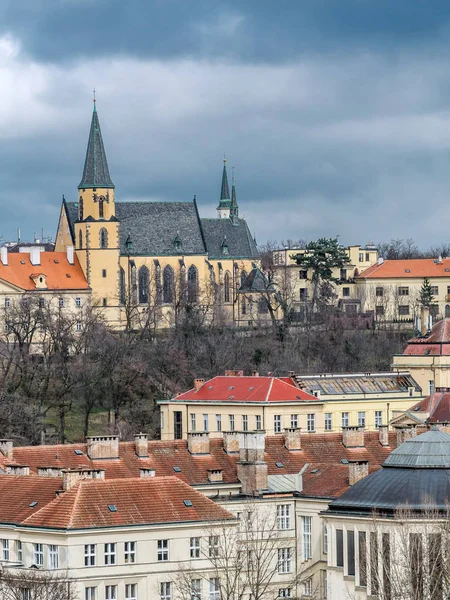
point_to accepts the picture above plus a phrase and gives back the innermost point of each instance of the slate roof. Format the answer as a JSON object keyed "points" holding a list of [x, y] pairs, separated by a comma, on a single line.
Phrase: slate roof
{"points": [[437, 343], [256, 282], [408, 269], [95, 172], [225, 190], [430, 449], [237, 235]]}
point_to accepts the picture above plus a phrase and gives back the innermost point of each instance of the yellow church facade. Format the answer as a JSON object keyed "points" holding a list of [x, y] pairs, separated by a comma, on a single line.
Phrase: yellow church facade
{"points": [[147, 263]]}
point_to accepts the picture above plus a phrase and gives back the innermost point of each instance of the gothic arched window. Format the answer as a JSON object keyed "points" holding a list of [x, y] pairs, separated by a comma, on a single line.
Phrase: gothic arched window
{"points": [[80, 239], [80, 209], [192, 290], [100, 208], [226, 287], [243, 277], [168, 285], [122, 286], [143, 282], [103, 238]]}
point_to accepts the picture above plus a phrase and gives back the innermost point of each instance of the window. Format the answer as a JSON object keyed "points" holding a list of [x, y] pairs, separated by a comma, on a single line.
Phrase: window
{"points": [[78, 302], [328, 422], [277, 423], [244, 423], [130, 552], [435, 290], [361, 257], [303, 274], [367, 257], [214, 588], [403, 291], [5, 549], [205, 422], [379, 311], [339, 548], [284, 560], [101, 212], [122, 287], [80, 209], [103, 273], [294, 421], [325, 538], [361, 419], [306, 538], [378, 418], [168, 278], [283, 516], [42, 302], [53, 556], [25, 594], [307, 587], [105, 302], [196, 589], [193, 422], [19, 551], [110, 554], [231, 422], [90, 593], [103, 238], [79, 326], [362, 559], [351, 553], [192, 290], [343, 275], [403, 311], [345, 294], [166, 591], [7, 302], [213, 546], [61, 302], [194, 547], [431, 387], [379, 292], [263, 306], [163, 550], [130, 591], [345, 420], [303, 294], [110, 592], [226, 287], [285, 593], [80, 239], [311, 422], [219, 422], [38, 555], [143, 285], [258, 422]]}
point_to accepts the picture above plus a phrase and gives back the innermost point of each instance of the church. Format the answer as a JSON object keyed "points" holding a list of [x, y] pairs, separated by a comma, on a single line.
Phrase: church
{"points": [[148, 262]]}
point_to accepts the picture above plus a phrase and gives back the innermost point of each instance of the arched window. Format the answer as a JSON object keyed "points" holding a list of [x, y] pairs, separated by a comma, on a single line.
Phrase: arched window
{"points": [[103, 238], [226, 287], [80, 209], [122, 289], [100, 208], [168, 285], [192, 291], [80, 239], [144, 280], [243, 277]]}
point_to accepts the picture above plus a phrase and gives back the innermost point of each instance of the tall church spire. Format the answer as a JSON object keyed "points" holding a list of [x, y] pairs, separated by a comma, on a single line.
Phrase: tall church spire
{"points": [[225, 200], [234, 209], [95, 172]]}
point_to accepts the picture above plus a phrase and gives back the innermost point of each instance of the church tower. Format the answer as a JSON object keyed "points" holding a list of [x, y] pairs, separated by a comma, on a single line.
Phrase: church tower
{"points": [[234, 208], [97, 228], [223, 210]]}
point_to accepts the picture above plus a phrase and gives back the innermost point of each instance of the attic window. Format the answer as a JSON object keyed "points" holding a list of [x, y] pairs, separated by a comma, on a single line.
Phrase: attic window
{"points": [[407, 271], [315, 471], [187, 503], [417, 408], [279, 465], [231, 387], [22, 262], [299, 397], [56, 261], [251, 388], [344, 461], [33, 504], [447, 270], [112, 508], [78, 452], [210, 387], [231, 398], [68, 275], [177, 469]]}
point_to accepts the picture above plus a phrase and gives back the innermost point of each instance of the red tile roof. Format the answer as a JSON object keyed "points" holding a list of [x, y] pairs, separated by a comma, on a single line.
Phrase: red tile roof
{"points": [[54, 265], [246, 389], [437, 343], [437, 405], [412, 268], [18, 492]]}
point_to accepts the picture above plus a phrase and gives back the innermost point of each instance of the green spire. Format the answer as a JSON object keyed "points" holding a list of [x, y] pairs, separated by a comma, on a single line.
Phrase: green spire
{"points": [[95, 172], [234, 209], [225, 200]]}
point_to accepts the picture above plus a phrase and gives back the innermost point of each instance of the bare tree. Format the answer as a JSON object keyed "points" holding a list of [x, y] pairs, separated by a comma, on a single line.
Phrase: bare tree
{"points": [[33, 584]]}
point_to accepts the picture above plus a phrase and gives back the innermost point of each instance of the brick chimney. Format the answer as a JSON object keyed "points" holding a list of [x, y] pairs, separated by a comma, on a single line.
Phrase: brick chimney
{"points": [[147, 472], [231, 442], [72, 476], [215, 475], [198, 443], [17, 470], [405, 432], [141, 445], [7, 448], [104, 446], [383, 435], [252, 468], [292, 438], [353, 437], [357, 470], [198, 384]]}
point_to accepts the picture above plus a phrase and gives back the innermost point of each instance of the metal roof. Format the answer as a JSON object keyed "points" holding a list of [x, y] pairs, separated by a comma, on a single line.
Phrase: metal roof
{"points": [[371, 383], [429, 450]]}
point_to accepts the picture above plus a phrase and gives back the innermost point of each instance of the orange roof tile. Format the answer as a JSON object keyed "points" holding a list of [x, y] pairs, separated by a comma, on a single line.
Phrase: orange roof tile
{"points": [[54, 265], [412, 268], [17, 492], [437, 343]]}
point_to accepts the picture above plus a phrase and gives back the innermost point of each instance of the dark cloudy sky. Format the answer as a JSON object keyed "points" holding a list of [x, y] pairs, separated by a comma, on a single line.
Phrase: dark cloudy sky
{"points": [[335, 113]]}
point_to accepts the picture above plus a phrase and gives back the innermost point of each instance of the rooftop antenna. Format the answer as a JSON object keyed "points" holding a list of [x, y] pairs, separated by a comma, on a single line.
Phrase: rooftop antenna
{"points": [[18, 236]]}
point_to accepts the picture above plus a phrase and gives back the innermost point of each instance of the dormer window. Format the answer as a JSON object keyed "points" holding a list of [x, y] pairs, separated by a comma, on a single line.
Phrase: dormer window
{"points": [[176, 242], [39, 280], [224, 246]]}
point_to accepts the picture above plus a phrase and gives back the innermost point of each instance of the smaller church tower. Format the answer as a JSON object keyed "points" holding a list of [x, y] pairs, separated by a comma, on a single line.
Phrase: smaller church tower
{"points": [[223, 210], [234, 208]]}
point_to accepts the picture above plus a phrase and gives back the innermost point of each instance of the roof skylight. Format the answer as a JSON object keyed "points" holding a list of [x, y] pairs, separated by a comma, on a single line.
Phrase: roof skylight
{"points": [[112, 508], [279, 465], [33, 504], [177, 469], [187, 503]]}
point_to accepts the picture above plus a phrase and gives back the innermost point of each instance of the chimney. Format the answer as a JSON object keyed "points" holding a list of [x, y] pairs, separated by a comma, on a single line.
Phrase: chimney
{"points": [[147, 472], [104, 446], [141, 445], [198, 384], [35, 256], [4, 255], [353, 437], [424, 318], [17, 470], [215, 475], [6, 448], [405, 433], [357, 470], [383, 435], [70, 258], [380, 260], [292, 438], [198, 443], [72, 476], [49, 472], [252, 468], [231, 442]]}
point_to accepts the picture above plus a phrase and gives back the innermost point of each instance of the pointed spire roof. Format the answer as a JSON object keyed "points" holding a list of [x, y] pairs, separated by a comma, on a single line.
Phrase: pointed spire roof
{"points": [[95, 172], [225, 190], [234, 209]]}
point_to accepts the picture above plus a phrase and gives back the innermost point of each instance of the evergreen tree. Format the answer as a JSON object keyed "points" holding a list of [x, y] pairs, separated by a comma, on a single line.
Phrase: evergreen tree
{"points": [[426, 294]]}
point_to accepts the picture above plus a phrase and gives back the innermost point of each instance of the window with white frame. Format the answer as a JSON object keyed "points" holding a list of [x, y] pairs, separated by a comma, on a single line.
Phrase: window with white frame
{"points": [[78, 302], [79, 326], [283, 516], [231, 422], [193, 422], [244, 422], [162, 420], [25, 594], [214, 588], [53, 556], [90, 593], [277, 423], [284, 560], [131, 591], [196, 589], [328, 422], [307, 587], [345, 420], [219, 422], [361, 419], [166, 590], [294, 421], [378, 418], [306, 538], [7, 302], [130, 552], [194, 547], [110, 592], [163, 550], [38, 554], [431, 387], [61, 302], [19, 551], [258, 422], [325, 538], [110, 553], [5, 549], [89, 555], [311, 422], [285, 593], [205, 423], [213, 546]]}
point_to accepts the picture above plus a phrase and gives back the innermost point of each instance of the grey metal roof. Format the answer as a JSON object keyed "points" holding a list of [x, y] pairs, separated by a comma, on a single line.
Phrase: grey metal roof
{"points": [[372, 383], [284, 483], [428, 450], [256, 281], [95, 172], [237, 235]]}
